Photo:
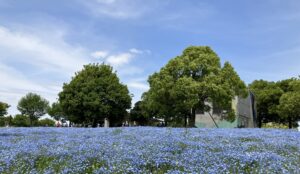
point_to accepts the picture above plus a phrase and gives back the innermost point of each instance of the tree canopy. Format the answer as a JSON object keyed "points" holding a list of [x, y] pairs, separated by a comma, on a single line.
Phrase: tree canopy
{"points": [[3, 108], [33, 105], [267, 96], [55, 111], [191, 80], [93, 94], [277, 101], [138, 114], [289, 104]]}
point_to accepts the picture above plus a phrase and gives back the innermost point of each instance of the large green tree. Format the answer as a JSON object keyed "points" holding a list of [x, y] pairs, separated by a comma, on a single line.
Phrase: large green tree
{"points": [[3, 108], [95, 93], [138, 114], [56, 111], [289, 105], [189, 82], [33, 105], [267, 95]]}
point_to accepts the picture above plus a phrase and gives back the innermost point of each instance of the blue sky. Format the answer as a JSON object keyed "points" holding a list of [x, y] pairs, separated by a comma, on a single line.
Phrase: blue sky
{"points": [[43, 43]]}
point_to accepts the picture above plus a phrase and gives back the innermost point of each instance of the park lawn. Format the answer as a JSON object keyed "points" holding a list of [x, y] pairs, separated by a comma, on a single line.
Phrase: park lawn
{"points": [[148, 150]]}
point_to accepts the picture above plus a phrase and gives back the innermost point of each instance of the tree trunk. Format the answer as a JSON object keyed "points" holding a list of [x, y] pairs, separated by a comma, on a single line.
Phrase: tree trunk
{"points": [[166, 122], [94, 124], [193, 117], [259, 120], [185, 121], [290, 123], [31, 121]]}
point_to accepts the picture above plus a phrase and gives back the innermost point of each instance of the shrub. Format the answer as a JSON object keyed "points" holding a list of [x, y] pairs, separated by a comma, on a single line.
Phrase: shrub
{"points": [[5, 121], [21, 121], [275, 125], [46, 122]]}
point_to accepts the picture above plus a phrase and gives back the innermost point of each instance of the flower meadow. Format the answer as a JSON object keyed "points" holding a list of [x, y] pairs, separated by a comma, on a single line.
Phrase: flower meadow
{"points": [[148, 150]]}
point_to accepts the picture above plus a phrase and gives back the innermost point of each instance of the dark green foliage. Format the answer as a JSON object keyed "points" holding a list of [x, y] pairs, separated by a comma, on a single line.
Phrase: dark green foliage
{"points": [[188, 81], [33, 105], [138, 114], [94, 94], [5, 121], [3, 108], [277, 101], [267, 95], [46, 122], [22, 121], [55, 111], [289, 104]]}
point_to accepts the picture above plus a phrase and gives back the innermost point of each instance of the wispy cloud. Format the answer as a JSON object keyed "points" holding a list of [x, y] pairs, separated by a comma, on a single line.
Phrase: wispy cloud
{"points": [[118, 59], [15, 85], [273, 66], [138, 85], [31, 49], [118, 9], [136, 51], [41, 63], [15, 80], [24, 56], [99, 54]]}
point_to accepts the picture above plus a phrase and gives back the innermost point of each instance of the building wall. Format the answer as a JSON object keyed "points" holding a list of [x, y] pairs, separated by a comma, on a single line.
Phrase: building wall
{"points": [[243, 108], [245, 112]]}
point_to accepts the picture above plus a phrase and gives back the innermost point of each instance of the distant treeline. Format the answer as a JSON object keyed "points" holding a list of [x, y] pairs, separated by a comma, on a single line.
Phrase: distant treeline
{"points": [[24, 121], [277, 102], [188, 82]]}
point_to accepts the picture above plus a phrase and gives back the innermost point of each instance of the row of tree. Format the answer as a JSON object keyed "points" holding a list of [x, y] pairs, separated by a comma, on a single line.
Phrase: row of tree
{"points": [[20, 120], [196, 79], [277, 102], [186, 84], [94, 94], [32, 107]]}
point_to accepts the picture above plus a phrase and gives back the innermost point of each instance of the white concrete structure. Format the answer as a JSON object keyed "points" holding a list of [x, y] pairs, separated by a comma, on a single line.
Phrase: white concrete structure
{"points": [[245, 110], [106, 122]]}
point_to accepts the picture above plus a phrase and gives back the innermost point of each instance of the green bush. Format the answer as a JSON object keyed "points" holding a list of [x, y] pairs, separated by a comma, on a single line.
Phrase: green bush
{"points": [[4, 121], [21, 121], [275, 125], [46, 122]]}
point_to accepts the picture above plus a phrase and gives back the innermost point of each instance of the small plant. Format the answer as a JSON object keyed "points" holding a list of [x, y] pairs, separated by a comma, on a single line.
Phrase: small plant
{"points": [[117, 131], [46, 122]]}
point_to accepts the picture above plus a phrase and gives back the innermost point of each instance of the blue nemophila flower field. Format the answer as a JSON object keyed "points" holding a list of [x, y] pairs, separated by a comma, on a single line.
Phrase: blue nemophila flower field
{"points": [[148, 150]]}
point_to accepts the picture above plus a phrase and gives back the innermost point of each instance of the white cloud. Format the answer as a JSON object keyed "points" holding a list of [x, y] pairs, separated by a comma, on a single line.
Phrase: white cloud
{"points": [[41, 61], [118, 9], [30, 49], [122, 63], [12, 79], [34, 63], [106, 1], [138, 85], [136, 51], [15, 85], [99, 54], [119, 59]]}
